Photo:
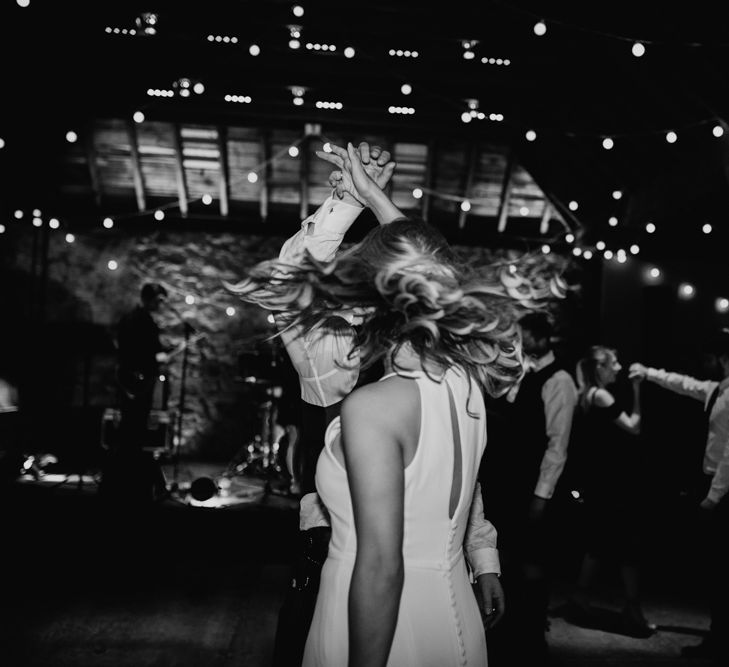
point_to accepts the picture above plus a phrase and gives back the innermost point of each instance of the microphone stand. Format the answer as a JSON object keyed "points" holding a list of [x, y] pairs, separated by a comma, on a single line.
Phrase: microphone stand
{"points": [[188, 328]]}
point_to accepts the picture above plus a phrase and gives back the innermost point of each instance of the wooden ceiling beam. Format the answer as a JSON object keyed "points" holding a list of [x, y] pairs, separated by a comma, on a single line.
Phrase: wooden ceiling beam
{"points": [[182, 195], [90, 150], [136, 166], [506, 187], [430, 174], [264, 176], [224, 171], [304, 178], [473, 155], [546, 215]]}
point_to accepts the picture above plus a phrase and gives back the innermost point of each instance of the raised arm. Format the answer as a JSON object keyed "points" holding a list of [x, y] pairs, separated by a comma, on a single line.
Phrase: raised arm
{"points": [[322, 233], [357, 178], [676, 382]]}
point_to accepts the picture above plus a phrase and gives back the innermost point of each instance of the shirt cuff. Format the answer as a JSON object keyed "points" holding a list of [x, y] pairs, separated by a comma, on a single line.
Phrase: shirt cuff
{"points": [[336, 216], [312, 513], [544, 491], [715, 496], [484, 561]]}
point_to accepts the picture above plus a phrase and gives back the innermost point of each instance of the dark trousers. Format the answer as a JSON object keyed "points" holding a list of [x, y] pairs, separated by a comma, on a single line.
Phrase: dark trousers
{"points": [[134, 417], [715, 528], [519, 638], [297, 611]]}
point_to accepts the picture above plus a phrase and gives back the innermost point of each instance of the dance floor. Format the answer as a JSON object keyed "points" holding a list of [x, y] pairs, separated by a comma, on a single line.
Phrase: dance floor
{"points": [[183, 585]]}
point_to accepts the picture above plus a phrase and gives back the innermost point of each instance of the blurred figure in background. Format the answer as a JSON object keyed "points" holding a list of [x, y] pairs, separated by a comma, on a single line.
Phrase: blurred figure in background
{"points": [[612, 485], [528, 442], [712, 503]]}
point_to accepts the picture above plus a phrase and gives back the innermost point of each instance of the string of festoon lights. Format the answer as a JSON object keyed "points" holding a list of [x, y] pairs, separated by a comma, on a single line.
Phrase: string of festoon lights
{"points": [[567, 238], [147, 25]]}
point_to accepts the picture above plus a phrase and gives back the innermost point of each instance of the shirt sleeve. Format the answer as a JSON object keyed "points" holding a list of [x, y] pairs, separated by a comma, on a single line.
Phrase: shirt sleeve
{"points": [[720, 481], [682, 384], [322, 233], [312, 512], [560, 398], [480, 541]]}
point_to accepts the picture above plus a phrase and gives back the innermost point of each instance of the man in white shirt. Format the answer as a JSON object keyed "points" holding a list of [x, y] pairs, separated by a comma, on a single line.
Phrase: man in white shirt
{"points": [[327, 375], [714, 396], [528, 440]]}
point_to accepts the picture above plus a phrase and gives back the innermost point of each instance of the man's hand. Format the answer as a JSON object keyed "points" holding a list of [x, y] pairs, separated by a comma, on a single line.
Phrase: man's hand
{"points": [[161, 357], [637, 372], [537, 508], [492, 599], [707, 504], [375, 162]]}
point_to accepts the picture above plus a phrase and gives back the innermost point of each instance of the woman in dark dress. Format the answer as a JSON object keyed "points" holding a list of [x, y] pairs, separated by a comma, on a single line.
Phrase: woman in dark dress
{"points": [[610, 477]]}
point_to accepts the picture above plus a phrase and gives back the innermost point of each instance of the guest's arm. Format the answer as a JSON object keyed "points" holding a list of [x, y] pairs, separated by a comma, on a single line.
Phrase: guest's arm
{"points": [[483, 559], [560, 399], [676, 382]]}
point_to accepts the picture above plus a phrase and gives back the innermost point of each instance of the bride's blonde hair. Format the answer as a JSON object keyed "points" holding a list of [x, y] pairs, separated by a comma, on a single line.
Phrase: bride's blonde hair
{"points": [[416, 292]]}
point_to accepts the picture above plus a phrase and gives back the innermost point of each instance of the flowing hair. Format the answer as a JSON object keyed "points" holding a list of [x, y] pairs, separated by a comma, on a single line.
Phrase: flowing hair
{"points": [[416, 293]]}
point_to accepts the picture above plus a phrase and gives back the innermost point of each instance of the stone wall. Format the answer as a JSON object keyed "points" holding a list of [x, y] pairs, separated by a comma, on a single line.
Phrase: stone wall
{"points": [[67, 358]]}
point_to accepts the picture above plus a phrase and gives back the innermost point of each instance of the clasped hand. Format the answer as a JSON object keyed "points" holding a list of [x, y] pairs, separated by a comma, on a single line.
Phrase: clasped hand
{"points": [[361, 172]]}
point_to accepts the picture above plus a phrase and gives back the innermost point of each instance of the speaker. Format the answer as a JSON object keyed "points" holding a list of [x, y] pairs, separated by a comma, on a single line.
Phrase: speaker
{"points": [[158, 438]]}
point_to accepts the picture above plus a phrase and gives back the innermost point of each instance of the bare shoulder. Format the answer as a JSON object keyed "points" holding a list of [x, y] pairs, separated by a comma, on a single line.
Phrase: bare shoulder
{"points": [[372, 398], [384, 405], [603, 398]]}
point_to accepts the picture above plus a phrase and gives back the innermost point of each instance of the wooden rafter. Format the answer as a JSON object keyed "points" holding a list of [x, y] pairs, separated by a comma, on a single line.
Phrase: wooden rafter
{"points": [[180, 170], [266, 152], [546, 215], [136, 166], [429, 179], [304, 178], [90, 149], [224, 171], [473, 154], [506, 186]]}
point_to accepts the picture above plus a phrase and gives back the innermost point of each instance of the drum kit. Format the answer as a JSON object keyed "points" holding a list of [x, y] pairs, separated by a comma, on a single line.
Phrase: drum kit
{"points": [[269, 453]]}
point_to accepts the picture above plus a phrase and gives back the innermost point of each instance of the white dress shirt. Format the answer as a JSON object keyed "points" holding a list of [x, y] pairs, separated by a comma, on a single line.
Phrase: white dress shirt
{"points": [[321, 357], [324, 381], [559, 395], [716, 454]]}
